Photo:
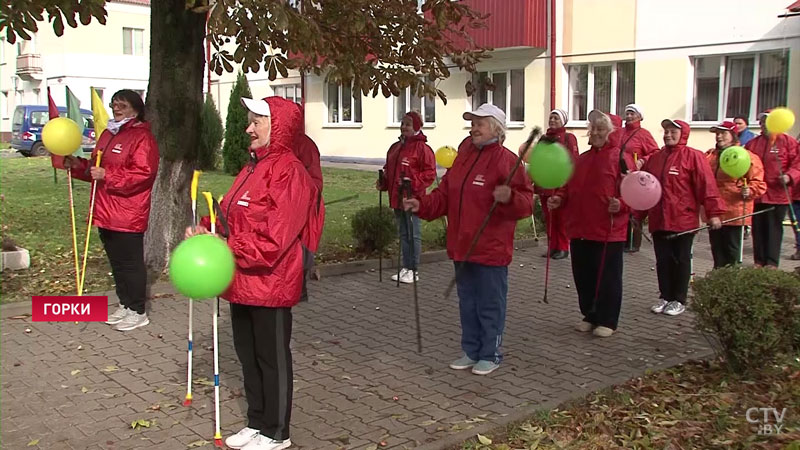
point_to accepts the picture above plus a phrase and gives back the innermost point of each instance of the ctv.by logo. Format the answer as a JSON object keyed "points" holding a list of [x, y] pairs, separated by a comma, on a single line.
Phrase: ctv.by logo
{"points": [[766, 424]]}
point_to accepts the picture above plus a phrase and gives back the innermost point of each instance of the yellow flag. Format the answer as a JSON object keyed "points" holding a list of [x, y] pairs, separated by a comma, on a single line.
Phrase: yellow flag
{"points": [[100, 114]]}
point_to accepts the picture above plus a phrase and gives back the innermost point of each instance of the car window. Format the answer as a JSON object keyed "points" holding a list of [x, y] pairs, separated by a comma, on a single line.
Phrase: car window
{"points": [[88, 122], [39, 118], [19, 113]]}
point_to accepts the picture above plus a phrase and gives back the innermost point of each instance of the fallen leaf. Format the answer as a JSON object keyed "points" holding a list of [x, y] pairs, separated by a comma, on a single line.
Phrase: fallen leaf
{"points": [[427, 423], [140, 423], [33, 442], [484, 440], [110, 369], [84, 389], [75, 372], [160, 390], [155, 407], [199, 443]]}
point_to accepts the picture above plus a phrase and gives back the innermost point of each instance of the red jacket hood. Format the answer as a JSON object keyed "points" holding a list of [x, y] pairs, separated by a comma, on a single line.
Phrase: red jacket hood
{"points": [[685, 129], [287, 121], [633, 125]]}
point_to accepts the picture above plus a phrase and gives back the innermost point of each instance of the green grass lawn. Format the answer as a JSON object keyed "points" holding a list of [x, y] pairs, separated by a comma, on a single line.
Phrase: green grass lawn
{"points": [[35, 214]]}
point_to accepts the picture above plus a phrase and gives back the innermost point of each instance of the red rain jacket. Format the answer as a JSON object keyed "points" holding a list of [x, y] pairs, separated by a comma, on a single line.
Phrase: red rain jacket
{"points": [[730, 189], [569, 141], [130, 159], [785, 150], [413, 158], [687, 183], [585, 198], [466, 193], [638, 141], [267, 209], [308, 154]]}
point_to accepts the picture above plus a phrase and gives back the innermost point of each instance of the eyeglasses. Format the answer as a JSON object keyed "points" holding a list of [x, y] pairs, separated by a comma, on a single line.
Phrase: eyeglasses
{"points": [[119, 105]]}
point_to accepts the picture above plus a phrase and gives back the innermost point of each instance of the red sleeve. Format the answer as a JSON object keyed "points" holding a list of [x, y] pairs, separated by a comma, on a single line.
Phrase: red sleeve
{"points": [[434, 205], [386, 168], [793, 157], [755, 177], [139, 172], [521, 203], [706, 192], [80, 168], [264, 245], [572, 145], [649, 145], [426, 169]]}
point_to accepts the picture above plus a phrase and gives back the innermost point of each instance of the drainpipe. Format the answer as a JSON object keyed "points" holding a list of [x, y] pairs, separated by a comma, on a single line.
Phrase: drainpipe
{"points": [[552, 55]]}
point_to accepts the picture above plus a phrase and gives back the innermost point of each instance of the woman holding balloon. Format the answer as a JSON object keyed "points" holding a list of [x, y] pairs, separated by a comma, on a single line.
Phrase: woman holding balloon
{"points": [[557, 240], [467, 192], [596, 222], [123, 167], [408, 158], [778, 153], [687, 183], [740, 179], [267, 209]]}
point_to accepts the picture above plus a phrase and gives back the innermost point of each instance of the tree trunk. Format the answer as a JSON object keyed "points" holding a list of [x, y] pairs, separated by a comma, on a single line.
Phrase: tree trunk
{"points": [[174, 102]]}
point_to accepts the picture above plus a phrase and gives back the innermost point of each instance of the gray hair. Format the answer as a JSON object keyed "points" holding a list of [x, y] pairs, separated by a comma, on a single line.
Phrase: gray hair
{"points": [[498, 128]]}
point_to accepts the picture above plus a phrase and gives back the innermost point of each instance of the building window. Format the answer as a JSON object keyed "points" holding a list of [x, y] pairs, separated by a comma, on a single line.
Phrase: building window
{"points": [[2, 50], [504, 89], [342, 106], [407, 101], [732, 85], [608, 87], [133, 41], [291, 92]]}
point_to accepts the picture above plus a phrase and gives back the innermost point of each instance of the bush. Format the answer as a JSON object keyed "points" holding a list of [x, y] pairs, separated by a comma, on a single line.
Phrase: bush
{"points": [[235, 151], [752, 313], [373, 230], [210, 136]]}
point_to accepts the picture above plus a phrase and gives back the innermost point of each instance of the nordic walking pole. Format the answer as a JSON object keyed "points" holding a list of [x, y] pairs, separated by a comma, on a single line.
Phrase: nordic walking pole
{"points": [[380, 229], [534, 134], [74, 235], [533, 219], [792, 217], [741, 238], [695, 230], [215, 321], [399, 240], [412, 250], [89, 226], [193, 193], [547, 263]]}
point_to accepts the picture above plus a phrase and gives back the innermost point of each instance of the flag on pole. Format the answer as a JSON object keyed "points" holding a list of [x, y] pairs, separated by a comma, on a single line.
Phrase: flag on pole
{"points": [[100, 114], [74, 109], [56, 161]]}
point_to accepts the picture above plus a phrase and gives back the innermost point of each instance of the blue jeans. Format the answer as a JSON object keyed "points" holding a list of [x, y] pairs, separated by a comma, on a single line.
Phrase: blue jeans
{"points": [[796, 209], [405, 245], [482, 292]]}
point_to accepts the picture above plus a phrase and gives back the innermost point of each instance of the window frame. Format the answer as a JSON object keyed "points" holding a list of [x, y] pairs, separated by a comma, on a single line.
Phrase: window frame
{"points": [[590, 87], [133, 31], [724, 84], [341, 123], [391, 104], [296, 87], [510, 124]]}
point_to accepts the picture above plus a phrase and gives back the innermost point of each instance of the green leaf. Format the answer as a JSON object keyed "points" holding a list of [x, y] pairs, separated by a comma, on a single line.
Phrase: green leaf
{"points": [[199, 443], [484, 440], [33, 442]]}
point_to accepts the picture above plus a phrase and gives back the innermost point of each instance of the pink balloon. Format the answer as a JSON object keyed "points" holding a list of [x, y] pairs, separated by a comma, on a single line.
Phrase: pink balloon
{"points": [[640, 190]]}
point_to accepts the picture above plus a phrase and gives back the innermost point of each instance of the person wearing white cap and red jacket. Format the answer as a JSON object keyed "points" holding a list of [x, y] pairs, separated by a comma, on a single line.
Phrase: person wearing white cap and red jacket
{"points": [[738, 195], [597, 221], [465, 194], [781, 172], [639, 144], [557, 240], [125, 181], [687, 183], [408, 158], [267, 209]]}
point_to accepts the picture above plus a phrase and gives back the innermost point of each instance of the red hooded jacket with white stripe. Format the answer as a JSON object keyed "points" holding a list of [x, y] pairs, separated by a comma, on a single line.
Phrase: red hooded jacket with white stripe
{"points": [[410, 157], [130, 159], [687, 183], [785, 150], [267, 209], [308, 154], [637, 141], [466, 193]]}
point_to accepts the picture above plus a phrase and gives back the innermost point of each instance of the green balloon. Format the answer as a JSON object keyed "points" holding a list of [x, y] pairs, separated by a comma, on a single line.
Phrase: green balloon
{"points": [[549, 165], [735, 161], [201, 267]]}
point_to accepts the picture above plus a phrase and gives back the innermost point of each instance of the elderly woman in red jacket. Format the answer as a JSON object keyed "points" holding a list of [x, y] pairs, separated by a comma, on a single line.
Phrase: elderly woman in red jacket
{"points": [[267, 210], [596, 222], [639, 144], [687, 183], [409, 158], [465, 195], [125, 180]]}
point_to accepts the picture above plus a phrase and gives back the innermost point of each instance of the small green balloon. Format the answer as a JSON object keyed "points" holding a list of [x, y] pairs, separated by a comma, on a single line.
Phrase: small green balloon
{"points": [[549, 165], [735, 161], [201, 267]]}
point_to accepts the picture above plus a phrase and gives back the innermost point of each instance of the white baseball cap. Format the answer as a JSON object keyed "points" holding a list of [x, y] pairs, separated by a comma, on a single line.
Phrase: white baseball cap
{"points": [[260, 107], [486, 110], [635, 108]]}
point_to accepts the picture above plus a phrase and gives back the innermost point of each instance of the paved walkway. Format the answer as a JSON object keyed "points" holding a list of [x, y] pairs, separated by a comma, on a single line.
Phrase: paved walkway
{"points": [[359, 383]]}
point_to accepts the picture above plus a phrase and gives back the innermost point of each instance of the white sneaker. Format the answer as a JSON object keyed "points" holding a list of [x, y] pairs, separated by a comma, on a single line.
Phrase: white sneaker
{"points": [[117, 316], [674, 308], [261, 442], [132, 321], [242, 438], [584, 326], [658, 308], [408, 277], [603, 332], [402, 274]]}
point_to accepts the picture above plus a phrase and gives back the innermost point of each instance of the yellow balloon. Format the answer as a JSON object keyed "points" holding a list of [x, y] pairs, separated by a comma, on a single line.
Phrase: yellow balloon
{"points": [[445, 156], [61, 136], [780, 120]]}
